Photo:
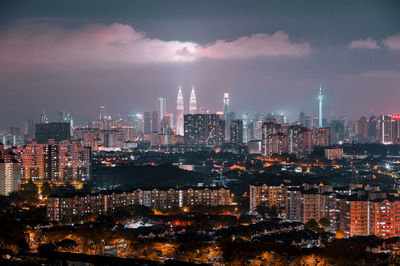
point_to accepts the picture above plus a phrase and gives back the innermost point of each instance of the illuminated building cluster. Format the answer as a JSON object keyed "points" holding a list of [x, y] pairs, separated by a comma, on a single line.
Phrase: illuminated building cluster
{"points": [[355, 210], [280, 138], [61, 207], [64, 161]]}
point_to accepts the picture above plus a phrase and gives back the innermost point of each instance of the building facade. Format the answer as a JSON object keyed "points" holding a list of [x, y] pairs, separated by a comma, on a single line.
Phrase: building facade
{"points": [[66, 161], [64, 208]]}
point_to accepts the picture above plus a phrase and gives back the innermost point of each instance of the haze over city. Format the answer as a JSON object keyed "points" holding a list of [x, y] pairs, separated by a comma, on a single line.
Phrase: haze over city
{"points": [[78, 56], [221, 133]]}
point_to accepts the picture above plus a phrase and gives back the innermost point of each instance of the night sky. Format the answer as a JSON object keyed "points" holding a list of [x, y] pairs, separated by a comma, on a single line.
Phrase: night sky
{"points": [[270, 56]]}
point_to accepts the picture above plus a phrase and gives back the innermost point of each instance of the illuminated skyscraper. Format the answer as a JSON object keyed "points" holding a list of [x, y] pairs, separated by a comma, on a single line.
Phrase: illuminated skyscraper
{"points": [[43, 118], [245, 119], [102, 113], [320, 98], [179, 114], [226, 117], [162, 103], [154, 122], [147, 123], [385, 129], [192, 103]]}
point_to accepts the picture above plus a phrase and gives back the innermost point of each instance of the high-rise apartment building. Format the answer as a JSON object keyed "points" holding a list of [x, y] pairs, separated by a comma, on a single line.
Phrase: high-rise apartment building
{"points": [[65, 161], [281, 138], [59, 131], [10, 172], [236, 131], [65, 207], [203, 129], [321, 137], [270, 195]]}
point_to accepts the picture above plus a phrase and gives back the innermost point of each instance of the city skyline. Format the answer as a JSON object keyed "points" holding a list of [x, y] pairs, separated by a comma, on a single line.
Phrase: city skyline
{"points": [[176, 132], [279, 72]]}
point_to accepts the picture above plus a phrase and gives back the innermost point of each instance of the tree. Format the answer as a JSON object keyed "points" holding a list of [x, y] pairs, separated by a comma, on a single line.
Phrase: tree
{"points": [[29, 191], [312, 225], [324, 222], [46, 189], [67, 244], [262, 209], [271, 211]]}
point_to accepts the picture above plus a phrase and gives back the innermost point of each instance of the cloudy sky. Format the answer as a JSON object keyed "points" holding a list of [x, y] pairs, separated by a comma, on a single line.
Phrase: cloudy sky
{"points": [[270, 56]]}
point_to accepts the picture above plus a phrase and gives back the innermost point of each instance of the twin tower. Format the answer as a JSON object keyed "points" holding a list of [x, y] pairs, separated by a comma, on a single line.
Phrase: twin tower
{"points": [[180, 110]]}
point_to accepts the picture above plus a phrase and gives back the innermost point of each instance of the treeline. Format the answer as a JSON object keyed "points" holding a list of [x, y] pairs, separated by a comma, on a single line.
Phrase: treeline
{"points": [[132, 176]]}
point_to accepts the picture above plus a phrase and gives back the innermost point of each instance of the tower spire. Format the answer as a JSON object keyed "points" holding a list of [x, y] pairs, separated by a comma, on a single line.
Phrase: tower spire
{"points": [[192, 103]]}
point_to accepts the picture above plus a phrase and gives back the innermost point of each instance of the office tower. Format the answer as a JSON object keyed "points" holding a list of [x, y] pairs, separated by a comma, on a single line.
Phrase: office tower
{"points": [[245, 119], [162, 103], [302, 119], [192, 103], [236, 131], [171, 120], [155, 122], [66, 161], [337, 131], [226, 116], [55, 131], [165, 123], [10, 172], [385, 129], [320, 98], [372, 129], [204, 129], [102, 113], [43, 118], [396, 128], [30, 129], [147, 123], [351, 131], [61, 116], [136, 121], [179, 114], [362, 130]]}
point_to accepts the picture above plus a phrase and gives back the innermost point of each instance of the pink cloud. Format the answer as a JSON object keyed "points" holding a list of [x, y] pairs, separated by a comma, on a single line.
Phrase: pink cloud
{"points": [[393, 42], [255, 45], [374, 75], [380, 74], [364, 44], [45, 44]]}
